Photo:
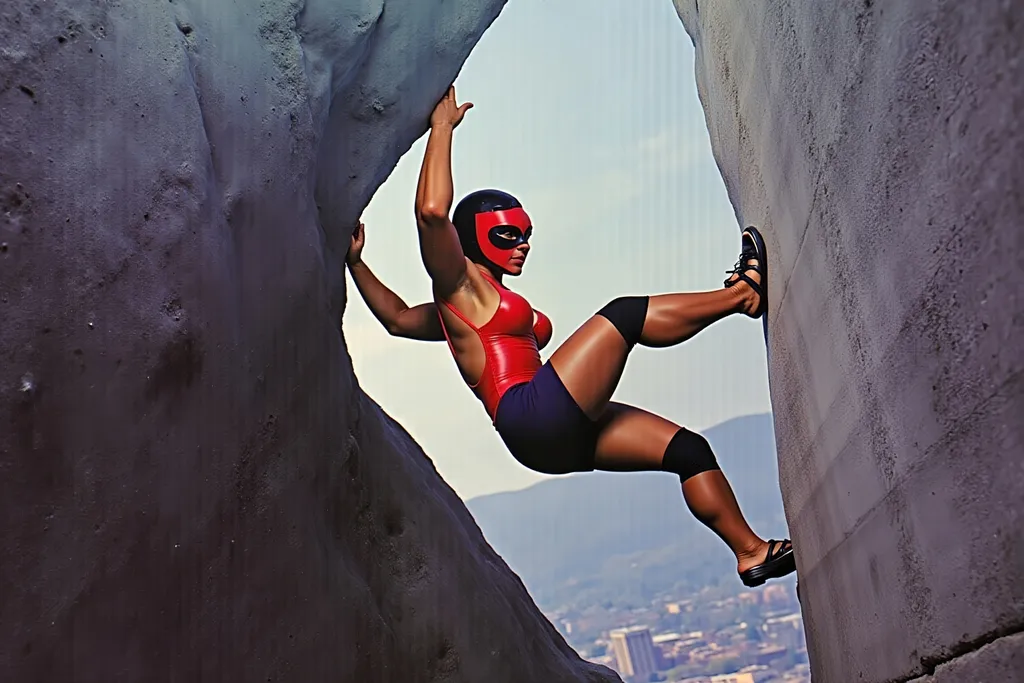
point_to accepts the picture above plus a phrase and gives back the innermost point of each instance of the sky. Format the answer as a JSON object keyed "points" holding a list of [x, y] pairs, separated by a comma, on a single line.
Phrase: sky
{"points": [[588, 113]]}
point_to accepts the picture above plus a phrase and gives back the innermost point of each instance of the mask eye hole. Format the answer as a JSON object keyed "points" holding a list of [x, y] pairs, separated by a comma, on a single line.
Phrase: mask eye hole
{"points": [[505, 236]]}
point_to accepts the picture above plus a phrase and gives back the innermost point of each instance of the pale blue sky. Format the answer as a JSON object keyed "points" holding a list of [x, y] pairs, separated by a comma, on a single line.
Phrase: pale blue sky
{"points": [[588, 113]]}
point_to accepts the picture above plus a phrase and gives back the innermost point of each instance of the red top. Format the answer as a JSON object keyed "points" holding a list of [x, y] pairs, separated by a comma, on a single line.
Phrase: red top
{"points": [[512, 340]]}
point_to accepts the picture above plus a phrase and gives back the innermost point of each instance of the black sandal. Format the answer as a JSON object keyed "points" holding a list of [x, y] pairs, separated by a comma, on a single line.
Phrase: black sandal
{"points": [[779, 562], [753, 249]]}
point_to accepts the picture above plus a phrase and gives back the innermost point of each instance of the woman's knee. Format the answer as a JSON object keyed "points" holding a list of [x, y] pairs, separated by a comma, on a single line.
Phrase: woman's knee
{"points": [[688, 454], [627, 314]]}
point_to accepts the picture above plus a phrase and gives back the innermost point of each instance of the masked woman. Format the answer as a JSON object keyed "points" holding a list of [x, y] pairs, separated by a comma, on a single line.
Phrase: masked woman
{"points": [[557, 417]]}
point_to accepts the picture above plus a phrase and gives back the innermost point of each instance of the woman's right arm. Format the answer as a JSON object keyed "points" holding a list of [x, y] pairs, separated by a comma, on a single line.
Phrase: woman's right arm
{"points": [[439, 242]]}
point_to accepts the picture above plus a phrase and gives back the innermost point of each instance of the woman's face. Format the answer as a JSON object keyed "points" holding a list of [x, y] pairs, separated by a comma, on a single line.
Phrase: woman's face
{"points": [[512, 240], [504, 238]]}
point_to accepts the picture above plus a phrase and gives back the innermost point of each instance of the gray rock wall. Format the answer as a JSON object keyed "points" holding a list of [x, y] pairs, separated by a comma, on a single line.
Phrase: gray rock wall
{"points": [[879, 146], [192, 485]]}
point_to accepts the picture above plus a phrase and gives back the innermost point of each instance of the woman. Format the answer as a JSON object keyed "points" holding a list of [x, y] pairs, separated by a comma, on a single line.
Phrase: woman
{"points": [[558, 417]]}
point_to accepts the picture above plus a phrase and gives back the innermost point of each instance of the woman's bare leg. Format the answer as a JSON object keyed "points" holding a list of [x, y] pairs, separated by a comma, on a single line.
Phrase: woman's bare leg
{"points": [[634, 440], [590, 362], [674, 318]]}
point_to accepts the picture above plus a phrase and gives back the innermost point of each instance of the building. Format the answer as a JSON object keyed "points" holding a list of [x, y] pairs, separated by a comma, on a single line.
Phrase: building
{"points": [[634, 652], [776, 594], [679, 607], [767, 655], [745, 677], [666, 647], [787, 631], [667, 639]]}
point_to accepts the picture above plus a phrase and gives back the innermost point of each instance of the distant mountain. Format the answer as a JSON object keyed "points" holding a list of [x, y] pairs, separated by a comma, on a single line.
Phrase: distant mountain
{"points": [[625, 537]]}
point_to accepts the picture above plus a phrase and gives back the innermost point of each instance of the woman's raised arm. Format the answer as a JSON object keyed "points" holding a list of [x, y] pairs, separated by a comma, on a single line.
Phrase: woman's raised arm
{"points": [[439, 242]]}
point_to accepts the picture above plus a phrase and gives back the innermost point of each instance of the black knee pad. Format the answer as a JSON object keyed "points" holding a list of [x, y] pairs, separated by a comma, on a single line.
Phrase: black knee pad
{"points": [[688, 454], [628, 314]]}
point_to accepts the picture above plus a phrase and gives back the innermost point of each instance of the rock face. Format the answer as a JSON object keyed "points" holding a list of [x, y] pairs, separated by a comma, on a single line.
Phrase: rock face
{"points": [[192, 485], [880, 148]]}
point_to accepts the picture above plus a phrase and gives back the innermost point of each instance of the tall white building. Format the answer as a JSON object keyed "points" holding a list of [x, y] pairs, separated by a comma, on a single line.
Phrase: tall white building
{"points": [[634, 651]]}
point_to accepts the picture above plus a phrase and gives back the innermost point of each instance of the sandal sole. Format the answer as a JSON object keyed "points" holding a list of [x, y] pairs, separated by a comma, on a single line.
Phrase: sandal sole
{"points": [[762, 257], [777, 568]]}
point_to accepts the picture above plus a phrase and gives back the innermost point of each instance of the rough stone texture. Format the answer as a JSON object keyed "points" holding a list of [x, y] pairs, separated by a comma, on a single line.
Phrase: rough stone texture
{"points": [[999, 661], [880, 147], [192, 485]]}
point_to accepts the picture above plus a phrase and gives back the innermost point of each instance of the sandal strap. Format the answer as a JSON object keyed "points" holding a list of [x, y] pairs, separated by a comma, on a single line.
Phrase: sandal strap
{"points": [[744, 264], [776, 548], [741, 275], [742, 267]]}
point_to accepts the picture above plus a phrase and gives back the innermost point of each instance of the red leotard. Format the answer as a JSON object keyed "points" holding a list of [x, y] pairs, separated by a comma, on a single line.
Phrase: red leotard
{"points": [[511, 339]]}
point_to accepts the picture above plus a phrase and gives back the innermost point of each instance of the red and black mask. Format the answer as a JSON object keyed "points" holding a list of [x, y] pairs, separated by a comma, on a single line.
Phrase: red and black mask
{"points": [[499, 233]]}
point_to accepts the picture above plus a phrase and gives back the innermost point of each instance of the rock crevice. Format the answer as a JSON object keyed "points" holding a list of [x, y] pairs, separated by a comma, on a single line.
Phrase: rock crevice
{"points": [[192, 484], [878, 147]]}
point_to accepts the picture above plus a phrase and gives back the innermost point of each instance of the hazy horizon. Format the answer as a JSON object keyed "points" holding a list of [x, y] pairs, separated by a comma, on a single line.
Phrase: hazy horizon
{"points": [[596, 127]]}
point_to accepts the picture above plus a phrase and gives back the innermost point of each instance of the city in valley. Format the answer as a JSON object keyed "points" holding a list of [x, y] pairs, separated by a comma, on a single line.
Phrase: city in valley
{"points": [[714, 636]]}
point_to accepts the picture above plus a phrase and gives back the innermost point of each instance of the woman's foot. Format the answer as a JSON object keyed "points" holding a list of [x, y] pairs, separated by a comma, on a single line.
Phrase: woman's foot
{"points": [[752, 270], [771, 560]]}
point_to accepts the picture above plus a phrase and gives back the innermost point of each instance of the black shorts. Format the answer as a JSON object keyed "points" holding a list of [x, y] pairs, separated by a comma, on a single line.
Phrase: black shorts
{"points": [[544, 428]]}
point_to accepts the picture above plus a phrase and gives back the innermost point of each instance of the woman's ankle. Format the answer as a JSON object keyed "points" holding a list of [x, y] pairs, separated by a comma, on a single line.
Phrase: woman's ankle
{"points": [[752, 549]]}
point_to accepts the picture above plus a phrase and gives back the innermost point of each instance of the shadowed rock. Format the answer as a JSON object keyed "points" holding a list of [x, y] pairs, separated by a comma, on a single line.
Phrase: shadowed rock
{"points": [[192, 485], [879, 147]]}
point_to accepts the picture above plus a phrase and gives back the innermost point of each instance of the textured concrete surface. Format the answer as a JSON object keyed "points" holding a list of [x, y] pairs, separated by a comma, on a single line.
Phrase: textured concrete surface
{"points": [[192, 485], [1001, 661], [880, 147]]}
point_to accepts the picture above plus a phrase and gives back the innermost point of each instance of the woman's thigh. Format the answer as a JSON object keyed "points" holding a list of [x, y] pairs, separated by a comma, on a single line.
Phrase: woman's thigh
{"points": [[631, 439], [590, 364]]}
